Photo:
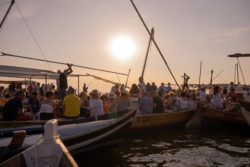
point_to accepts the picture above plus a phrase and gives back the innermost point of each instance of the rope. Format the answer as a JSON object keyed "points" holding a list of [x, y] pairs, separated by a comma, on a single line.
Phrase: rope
{"points": [[32, 34]]}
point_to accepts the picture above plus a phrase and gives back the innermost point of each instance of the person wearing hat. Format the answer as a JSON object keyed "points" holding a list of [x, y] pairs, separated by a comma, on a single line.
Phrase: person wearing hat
{"points": [[72, 104], [95, 104], [123, 102]]}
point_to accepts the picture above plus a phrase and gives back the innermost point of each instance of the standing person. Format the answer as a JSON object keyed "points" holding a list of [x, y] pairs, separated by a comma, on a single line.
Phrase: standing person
{"points": [[72, 104], [161, 89], [122, 88], [13, 109], [148, 87], [123, 102], [47, 110], [134, 91], [230, 86], [95, 104], [105, 103], [169, 88], [34, 104], [158, 103], [115, 88], [216, 99], [146, 104], [63, 83], [153, 88], [112, 102], [85, 111], [85, 88], [142, 87]]}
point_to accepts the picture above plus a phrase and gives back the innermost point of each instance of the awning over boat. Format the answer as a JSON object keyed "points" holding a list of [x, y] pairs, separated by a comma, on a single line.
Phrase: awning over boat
{"points": [[30, 73]]}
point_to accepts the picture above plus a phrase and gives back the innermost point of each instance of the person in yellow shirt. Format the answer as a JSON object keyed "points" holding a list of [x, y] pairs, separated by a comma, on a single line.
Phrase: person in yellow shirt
{"points": [[72, 104]]}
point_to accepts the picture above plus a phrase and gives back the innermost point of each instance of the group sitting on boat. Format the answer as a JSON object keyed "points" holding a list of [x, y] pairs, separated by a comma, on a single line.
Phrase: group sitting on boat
{"points": [[161, 99], [224, 99]]}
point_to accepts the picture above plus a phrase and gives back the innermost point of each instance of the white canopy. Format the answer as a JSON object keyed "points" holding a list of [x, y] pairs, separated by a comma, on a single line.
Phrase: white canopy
{"points": [[30, 73]]}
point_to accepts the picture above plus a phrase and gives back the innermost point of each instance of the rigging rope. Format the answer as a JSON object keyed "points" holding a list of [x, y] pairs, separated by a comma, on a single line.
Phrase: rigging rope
{"points": [[32, 34]]}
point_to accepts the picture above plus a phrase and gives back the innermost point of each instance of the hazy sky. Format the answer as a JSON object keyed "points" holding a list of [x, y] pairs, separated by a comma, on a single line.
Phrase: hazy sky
{"points": [[80, 32]]}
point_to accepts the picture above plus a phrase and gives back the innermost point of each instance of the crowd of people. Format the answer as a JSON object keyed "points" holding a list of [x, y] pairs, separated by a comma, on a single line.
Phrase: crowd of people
{"points": [[47, 101], [225, 99]]}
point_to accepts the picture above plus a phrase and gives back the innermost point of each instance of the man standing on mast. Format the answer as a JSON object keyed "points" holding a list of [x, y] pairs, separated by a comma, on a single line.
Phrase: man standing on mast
{"points": [[63, 83]]}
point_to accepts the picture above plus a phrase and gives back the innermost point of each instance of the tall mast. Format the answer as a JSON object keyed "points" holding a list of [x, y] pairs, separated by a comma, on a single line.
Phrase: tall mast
{"points": [[237, 55], [211, 79], [157, 47], [199, 85], [237, 72], [146, 57], [6, 14]]}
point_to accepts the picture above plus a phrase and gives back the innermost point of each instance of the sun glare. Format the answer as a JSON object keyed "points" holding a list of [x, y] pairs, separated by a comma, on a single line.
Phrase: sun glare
{"points": [[122, 47]]}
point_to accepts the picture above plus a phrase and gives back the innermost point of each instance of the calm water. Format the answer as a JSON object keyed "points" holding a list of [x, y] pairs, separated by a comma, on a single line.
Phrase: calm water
{"points": [[175, 148]]}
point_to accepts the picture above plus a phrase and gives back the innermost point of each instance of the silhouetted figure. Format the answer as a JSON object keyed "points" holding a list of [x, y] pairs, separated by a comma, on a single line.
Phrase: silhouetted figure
{"points": [[63, 83], [85, 88]]}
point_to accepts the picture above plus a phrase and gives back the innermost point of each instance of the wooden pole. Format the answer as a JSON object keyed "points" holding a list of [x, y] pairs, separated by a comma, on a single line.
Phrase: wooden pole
{"points": [[241, 71], [56, 62], [146, 57], [237, 72], [211, 79], [199, 85], [78, 83], [127, 78], [156, 45]]}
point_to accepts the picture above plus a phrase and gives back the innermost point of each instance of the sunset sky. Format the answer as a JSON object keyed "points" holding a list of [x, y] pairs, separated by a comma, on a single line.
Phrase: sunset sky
{"points": [[81, 32]]}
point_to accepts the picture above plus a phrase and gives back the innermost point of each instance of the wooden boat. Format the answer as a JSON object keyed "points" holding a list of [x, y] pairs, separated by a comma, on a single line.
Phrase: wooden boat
{"points": [[36, 126], [79, 137], [219, 118], [50, 151], [163, 120]]}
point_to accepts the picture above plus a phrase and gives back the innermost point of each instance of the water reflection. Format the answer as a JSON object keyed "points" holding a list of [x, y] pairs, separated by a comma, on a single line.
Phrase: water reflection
{"points": [[177, 148]]}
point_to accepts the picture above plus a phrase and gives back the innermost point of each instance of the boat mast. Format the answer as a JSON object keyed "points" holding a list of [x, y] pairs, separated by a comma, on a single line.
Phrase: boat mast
{"points": [[237, 55], [56, 62], [199, 85], [211, 79], [6, 14], [146, 57], [127, 78], [237, 72], [156, 45]]}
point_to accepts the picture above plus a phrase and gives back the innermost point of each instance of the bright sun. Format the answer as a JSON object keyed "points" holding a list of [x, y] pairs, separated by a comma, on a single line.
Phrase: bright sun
{"points": [[122, 47]]}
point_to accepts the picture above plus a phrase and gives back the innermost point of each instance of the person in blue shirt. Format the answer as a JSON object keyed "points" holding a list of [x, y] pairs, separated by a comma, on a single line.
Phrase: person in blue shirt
{"points": [[34, 104]]}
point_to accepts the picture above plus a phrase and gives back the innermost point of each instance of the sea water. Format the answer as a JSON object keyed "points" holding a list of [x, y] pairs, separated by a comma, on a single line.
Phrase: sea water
{"points": [[176, 148]]}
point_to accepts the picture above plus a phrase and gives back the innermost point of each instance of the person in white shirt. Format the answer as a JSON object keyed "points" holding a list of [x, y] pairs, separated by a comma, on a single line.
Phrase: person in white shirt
{"points": [[115, 88], [216, 99], [95, 104], [202, 96], [142, 87]]}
